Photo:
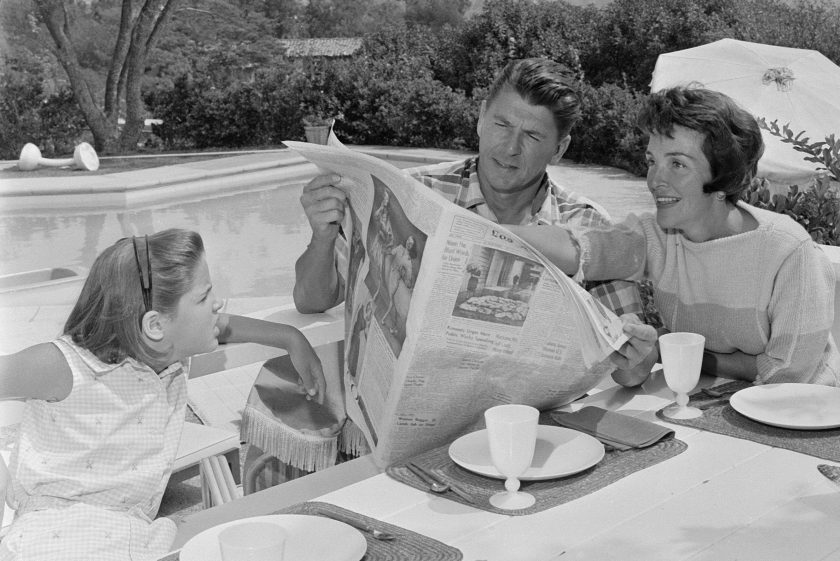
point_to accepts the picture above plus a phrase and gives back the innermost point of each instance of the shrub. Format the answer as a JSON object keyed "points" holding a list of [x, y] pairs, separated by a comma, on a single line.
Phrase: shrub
{"points": [[607, 132], [20, 97], [62, 124], [468, 58], [404, 105], [28, 114], [806, 24], [633, 33], [817, 207], [173, 107], [825, 152]]}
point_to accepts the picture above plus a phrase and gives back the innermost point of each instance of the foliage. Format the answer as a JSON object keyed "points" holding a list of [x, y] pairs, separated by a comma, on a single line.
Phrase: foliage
{"points": [[633, 33], [469, 59], [607, 132], [196, 115], [805, 24], [435, 14], [346, 18], [29, 114], [313, 85], [816, 208], [173, 106], [421, 74], [826, 153], [21, 92], [62, 124]]}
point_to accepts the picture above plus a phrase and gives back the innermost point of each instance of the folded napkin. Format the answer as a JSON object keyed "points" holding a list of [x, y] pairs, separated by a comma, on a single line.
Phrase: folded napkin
{"points": [[613, 429]]}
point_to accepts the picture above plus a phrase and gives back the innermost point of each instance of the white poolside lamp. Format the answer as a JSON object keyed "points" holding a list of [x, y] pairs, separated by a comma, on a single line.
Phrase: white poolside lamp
{"points": [[84, 157]]}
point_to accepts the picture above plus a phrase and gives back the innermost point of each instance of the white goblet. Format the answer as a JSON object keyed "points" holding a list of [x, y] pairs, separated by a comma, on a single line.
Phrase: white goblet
{"points": [[682, 356], [512, 435]]}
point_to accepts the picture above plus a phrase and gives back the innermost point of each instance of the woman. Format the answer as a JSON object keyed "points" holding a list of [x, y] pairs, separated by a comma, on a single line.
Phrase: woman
{"points": [[750, 280]]}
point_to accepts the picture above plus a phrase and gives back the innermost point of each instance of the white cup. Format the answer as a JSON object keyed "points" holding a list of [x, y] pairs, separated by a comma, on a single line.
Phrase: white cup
{"points": [[253, 541], [682, 359]]}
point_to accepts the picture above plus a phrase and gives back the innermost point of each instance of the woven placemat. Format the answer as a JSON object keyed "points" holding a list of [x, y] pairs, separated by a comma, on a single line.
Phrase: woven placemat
{"points": [[406, 545], [720, 417], [549, 493]]}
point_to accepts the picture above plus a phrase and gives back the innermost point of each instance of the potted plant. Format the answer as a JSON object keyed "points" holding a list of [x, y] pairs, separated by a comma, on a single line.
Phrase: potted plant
{"points": [[318, 118], [317, 127]]}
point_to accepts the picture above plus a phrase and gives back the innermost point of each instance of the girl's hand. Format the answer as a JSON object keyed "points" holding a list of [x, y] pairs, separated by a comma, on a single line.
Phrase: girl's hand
{"points": [[308, 366]]}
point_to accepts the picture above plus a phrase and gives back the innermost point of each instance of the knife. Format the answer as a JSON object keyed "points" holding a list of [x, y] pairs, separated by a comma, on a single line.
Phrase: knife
{"points": [[831, 472]]}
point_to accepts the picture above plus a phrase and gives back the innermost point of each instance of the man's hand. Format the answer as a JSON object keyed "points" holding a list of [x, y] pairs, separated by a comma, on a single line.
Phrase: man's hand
{"points": [[324, 205]]}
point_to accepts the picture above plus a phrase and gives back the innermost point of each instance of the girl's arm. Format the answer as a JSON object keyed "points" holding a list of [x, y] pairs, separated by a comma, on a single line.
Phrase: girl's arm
{"points": [[37, 372], [241, 329]]}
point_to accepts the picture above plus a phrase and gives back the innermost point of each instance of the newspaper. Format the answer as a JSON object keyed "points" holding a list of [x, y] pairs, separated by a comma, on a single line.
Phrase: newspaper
{"points": [[448, 313]]}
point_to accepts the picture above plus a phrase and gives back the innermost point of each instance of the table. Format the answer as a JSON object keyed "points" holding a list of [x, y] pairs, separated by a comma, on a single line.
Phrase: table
{"points": [[723, 498]]}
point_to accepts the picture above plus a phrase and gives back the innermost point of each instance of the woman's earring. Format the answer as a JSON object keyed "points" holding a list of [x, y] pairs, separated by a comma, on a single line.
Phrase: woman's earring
{"points": [[720, 195]]}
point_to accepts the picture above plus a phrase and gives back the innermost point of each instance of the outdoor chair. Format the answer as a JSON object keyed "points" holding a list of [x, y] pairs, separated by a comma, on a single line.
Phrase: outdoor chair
{"points": [[276, 451]]}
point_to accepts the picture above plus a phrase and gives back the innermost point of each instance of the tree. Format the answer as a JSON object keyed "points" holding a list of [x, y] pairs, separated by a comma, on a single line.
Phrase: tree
{"points": [[348, 18], [140, 25], [436, 13]]}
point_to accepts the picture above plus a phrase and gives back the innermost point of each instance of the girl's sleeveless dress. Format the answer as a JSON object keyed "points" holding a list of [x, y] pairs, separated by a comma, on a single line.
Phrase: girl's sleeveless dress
{"points": [[89, 471]]}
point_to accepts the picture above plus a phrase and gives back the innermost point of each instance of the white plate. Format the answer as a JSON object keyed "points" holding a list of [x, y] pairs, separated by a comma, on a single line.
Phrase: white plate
{"points": [[311, 538], [790, 406], [559, 452]]}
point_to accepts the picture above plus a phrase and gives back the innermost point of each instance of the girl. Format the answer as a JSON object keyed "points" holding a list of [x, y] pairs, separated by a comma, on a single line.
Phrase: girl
{"points": [[106, 401]]}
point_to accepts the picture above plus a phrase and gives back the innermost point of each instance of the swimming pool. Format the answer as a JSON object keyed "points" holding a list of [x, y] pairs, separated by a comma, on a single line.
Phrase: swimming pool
{"points": [[252, 239]]}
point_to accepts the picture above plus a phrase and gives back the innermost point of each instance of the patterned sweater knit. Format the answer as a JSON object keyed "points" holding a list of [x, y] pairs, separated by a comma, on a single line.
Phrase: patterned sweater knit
{"points": [[768, 292]]}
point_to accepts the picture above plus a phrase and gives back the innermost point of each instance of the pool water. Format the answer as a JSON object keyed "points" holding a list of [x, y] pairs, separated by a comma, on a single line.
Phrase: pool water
{"points": [[252, 239]]}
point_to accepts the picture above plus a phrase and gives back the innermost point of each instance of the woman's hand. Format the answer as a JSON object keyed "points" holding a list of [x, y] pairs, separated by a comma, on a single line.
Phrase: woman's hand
{"points": [[641, 344], [309, 368]]}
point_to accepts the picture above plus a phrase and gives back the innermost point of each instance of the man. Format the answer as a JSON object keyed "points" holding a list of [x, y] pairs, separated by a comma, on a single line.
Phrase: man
{"points": [[523, 127]]}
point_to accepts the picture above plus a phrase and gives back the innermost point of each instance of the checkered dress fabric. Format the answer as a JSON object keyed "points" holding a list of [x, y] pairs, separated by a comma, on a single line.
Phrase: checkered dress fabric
{"points": [[89, 471]]}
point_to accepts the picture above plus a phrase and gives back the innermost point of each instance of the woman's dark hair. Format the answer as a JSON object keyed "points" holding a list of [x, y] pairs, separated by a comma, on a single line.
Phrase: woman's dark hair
{"points": [[542, 82], [732, 140], [106, 319]]}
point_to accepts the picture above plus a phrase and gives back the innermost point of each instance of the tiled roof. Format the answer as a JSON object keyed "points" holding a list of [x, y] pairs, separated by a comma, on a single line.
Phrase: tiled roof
{"points": [[333, 47]]}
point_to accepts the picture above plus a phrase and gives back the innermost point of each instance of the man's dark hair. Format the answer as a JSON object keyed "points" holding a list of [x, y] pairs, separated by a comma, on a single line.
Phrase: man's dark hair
{"points": [[542, 82]]}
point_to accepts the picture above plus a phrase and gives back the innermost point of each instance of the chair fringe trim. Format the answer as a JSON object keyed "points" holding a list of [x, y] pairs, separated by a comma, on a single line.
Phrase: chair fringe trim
{"points": [[303, 451], [352, 440]]}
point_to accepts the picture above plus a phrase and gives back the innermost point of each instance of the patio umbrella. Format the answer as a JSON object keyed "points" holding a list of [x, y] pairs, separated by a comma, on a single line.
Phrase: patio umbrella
{"points": [[795, 86]]}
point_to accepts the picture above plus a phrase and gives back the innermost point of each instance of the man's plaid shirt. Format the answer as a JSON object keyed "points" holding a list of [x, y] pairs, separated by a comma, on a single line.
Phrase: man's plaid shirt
{"points": [[458, 183]]}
